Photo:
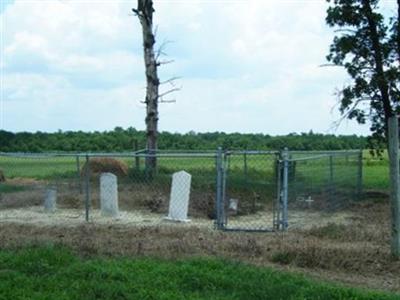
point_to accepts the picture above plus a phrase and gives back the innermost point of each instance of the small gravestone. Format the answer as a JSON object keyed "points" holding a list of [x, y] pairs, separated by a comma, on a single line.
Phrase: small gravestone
{"points": [[109, 195], [50, 200], [233, 205], [179, 199]]}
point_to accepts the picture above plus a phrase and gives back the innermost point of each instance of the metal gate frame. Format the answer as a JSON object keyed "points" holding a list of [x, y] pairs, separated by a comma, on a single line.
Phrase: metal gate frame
{"points": [[279, 221]]}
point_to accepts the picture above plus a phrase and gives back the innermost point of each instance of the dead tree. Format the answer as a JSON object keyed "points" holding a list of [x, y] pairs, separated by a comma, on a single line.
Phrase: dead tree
{"points": [[145, 12]]}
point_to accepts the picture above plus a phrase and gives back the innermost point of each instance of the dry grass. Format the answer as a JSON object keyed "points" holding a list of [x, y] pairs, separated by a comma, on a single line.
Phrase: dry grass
{"points": [[355, 253], [106, 164], [351, 248]]}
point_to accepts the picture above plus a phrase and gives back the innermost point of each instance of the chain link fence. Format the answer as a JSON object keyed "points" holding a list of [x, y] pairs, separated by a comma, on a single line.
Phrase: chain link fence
{"points": [[227, 190], [31, 184], [318, 188], [249, 190]]}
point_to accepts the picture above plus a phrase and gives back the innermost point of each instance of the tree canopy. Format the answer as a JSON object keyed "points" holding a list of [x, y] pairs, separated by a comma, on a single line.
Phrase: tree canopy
{"points": [[121, 139], [367, 45]]}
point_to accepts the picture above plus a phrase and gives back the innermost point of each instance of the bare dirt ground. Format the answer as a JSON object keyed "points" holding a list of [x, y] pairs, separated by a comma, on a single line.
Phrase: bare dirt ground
{"points": [[69, 217], [350, 247]]}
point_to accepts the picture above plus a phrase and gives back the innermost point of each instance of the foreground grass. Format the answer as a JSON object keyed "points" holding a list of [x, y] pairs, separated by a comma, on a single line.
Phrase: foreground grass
{"points": [[55, 273]]}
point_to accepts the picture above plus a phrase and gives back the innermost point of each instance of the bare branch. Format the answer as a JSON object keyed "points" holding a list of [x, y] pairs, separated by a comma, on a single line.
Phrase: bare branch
{"points": [[160, 50], [167, 101], [338, 92], [155, 31], [348, 30], [171, 81], [137, 13], [168, 92], [164, 62], [329, 65]]}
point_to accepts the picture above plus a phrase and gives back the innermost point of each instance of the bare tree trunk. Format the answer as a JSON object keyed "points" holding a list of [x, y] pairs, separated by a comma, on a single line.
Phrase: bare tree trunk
{"points": [[144, 12]]}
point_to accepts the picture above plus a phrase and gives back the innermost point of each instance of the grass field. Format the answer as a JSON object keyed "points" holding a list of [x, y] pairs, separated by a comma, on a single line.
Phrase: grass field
{"points": [[56, 273], [251, 178], [256, 167]]}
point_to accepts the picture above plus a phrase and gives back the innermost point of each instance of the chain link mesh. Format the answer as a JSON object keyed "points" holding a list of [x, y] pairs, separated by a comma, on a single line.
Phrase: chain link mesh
{"points": [[321, 187], [234, 190], [250, 190]]}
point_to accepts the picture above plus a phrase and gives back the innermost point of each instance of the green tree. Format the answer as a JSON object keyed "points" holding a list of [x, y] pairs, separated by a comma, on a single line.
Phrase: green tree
{"points": [[368, 47], [365, 46]]}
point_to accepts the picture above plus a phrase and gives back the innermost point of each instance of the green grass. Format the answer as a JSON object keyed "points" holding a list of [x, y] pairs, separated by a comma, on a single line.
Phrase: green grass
{"points": [[56, 273], [260, 169], [38, 168]]}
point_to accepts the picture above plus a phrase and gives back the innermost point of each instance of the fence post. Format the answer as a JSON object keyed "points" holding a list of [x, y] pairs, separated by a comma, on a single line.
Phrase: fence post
{"points": [[245, 166], [360, 175], [394, 184], [277, 203], [285, 188], [219, 201], [87, 187], [78, 173]]}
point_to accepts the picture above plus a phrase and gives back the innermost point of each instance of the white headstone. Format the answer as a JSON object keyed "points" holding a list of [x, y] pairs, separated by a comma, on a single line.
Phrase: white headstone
{"points": [[109, 195], [50, 200], [179, 199], [233, 205]]}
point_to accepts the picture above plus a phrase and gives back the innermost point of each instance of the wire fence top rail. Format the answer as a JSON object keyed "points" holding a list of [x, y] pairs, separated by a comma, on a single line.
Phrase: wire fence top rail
{"points": [[330, 152], [179, 153], [250, 152], [140, 153], [69, 154]]}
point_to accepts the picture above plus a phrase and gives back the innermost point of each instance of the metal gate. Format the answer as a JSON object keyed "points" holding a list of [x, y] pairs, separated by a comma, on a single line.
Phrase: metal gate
{"points": [[247, 191]]}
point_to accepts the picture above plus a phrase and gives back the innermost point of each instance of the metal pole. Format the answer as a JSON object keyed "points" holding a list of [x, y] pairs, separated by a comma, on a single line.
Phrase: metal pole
{"points": [[285, 188], [218, 202], [225, 169], [245, 167], [78, 174], [87, 186], [276, 208], [394, 184], [360, 175]]}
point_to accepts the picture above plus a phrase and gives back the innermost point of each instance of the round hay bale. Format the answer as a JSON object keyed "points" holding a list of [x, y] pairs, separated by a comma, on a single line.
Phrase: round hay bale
{"points": [[2, 177], [106, 165]]}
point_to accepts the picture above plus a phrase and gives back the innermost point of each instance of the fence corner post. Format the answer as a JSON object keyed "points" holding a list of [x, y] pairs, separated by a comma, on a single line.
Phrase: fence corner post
{"points": [[285, 188], [87, 188], [393, 149], [78, 173], [219, 201]]}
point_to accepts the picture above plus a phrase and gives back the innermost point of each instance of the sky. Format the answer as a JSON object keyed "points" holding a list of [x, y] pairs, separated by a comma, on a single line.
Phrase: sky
{"points": [[244, 66]]}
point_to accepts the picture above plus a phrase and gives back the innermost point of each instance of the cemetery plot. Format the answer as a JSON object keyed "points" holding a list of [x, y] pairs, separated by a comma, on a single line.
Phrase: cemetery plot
{"points": [[182, 188], [132, 196]]}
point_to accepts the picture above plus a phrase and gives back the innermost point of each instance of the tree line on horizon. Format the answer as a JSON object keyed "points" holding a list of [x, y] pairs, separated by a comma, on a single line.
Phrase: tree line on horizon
{"points": [[121, 139]]}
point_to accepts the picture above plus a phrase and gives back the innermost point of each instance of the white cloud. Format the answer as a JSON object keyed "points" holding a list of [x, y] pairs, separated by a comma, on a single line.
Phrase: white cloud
{"points": [[250, 66]]}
